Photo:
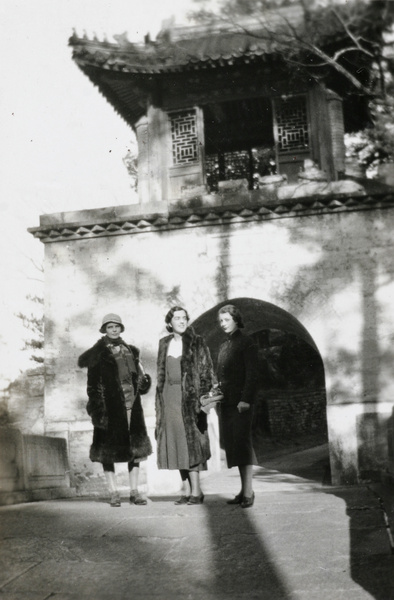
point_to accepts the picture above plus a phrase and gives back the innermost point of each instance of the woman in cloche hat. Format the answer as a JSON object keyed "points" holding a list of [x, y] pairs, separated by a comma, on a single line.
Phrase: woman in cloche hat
{"points": [[114, 385]]}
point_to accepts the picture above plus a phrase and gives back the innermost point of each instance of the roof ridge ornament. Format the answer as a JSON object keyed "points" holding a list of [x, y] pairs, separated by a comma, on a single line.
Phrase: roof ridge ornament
{"points": [[122, 39]]}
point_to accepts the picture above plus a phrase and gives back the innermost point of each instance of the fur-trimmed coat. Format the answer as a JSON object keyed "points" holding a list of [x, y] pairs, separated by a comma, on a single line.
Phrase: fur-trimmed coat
{"points": [[113, 440], [197, 379]]}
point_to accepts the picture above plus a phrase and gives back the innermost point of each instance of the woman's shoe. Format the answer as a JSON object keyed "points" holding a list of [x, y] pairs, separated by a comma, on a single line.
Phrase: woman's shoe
{"points": [[115, 500], [237, 500], [247, 502], [136, 498], [196, 499], [182, 500]]}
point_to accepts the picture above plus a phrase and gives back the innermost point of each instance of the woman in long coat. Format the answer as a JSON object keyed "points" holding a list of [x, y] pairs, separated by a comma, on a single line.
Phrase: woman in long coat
{"points": [[115, 382], [184, 374], [237, 373]]}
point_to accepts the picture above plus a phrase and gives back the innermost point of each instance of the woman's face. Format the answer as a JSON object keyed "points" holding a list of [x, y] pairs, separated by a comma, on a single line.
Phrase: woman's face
{"points": [[113, 330], [227, 322], [179, 322]]}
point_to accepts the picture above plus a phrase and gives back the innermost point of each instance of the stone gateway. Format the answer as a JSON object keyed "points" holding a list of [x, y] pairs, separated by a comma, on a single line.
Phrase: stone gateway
{"points": [[243, 198]]}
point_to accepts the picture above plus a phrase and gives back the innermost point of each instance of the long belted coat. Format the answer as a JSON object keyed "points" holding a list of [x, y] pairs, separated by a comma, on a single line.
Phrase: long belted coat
{"points": [[113, 440], [197, 379]]}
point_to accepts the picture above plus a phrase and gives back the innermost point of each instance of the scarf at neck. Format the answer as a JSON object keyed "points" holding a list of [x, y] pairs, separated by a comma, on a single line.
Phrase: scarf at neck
{"points": [[116, 342]]}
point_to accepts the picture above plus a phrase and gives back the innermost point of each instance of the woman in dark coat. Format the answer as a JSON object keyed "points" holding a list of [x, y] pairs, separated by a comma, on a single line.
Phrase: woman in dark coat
{"points": [[184, 373], [115, 382], [237, 373]]}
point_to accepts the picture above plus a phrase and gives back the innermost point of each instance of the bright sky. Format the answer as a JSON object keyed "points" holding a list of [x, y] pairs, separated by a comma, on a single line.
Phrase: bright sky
{"points": [[62, 144]]}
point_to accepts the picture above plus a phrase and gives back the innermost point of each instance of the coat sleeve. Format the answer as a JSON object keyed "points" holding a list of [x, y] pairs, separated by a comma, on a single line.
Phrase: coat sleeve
{"points": [[207, 378], [160, 376], [251, 372], [96, 404]]}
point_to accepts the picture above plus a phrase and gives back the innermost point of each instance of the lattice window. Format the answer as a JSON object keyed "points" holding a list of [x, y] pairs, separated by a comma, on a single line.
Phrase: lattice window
{"points": [[213, 172], [239, 164], [292, 123], [225, 166], [184, 137]]}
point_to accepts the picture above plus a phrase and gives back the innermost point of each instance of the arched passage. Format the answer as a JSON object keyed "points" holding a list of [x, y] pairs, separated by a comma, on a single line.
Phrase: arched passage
{"points": [[291, 399]]}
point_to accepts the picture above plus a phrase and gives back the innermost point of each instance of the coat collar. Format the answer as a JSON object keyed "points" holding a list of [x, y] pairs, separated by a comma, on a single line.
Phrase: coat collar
{"points": [[234, 335], [100, 351], [188, 340]]}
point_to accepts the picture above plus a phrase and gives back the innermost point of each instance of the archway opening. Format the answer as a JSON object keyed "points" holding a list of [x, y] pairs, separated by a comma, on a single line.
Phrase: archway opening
{"points": [[290, 409]]}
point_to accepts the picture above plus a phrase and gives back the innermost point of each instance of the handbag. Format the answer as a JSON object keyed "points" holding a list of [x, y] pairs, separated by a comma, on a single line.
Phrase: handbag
{"points": [[144, 384], [144, 381], [214, 396]]}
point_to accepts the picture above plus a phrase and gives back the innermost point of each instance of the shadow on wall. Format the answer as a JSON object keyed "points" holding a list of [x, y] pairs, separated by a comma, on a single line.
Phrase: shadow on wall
{"points": [[373, 447], [346, 255], [106, 286], [355, 257]]}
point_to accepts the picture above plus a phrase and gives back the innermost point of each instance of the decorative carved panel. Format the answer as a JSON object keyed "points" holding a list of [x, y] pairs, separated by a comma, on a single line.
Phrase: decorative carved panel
{"points": [[292, 123], [184, 137]]}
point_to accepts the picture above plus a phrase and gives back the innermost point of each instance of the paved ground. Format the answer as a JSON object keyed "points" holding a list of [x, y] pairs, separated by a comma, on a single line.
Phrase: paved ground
{"points": [[300, 541]]}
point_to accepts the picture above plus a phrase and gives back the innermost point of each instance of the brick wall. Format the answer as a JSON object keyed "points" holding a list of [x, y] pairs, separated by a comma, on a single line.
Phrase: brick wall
{"points": [[296, 412]]}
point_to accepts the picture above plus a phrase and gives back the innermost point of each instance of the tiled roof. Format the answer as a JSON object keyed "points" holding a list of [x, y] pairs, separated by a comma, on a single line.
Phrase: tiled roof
{"points": [[126, 72], [181, 48]]}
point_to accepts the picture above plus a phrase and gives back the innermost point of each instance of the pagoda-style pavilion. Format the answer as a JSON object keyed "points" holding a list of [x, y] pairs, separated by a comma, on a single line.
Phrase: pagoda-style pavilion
{"points": [[212, 104]]}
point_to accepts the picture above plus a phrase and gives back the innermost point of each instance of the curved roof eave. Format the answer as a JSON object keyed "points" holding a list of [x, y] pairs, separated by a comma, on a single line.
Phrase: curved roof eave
{"points": [[192, 63], [127, 102]]}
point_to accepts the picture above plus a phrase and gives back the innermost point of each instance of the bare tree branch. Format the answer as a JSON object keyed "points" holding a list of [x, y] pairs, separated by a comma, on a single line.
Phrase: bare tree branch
{"points": [[314, 33]]}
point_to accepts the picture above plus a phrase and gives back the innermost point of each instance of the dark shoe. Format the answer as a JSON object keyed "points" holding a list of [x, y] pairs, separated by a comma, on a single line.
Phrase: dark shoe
{"points": [[136, 498], [115, 500], [182, 500], [237, 500], [247, 502], [196, 499]]}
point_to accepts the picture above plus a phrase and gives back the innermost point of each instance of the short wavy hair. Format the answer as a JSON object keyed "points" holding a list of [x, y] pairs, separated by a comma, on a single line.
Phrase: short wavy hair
{"points": [[170, 314], [234, 312]]}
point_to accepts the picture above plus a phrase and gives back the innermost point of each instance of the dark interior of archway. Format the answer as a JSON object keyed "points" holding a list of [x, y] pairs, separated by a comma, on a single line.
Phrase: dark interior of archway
{"points": [[290, 409]]}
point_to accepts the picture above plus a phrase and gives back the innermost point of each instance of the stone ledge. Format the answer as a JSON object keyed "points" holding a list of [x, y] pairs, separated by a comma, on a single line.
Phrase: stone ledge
{"points": [[32, 467], [181, 216], [103, 215]]}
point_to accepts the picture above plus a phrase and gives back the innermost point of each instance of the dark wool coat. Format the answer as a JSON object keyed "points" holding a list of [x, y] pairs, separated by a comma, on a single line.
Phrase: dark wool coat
{"points": [[237, 369], [113, 440], [237, 373], [197, 379]]}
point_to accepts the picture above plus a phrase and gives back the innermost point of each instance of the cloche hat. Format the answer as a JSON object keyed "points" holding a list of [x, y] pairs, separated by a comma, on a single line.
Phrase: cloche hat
{"points": [[111, 318]]}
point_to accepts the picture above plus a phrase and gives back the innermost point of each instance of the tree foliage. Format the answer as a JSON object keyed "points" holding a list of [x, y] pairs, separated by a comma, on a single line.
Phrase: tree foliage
{"points": [[344, 39], [347, 45], [34, 323], [130, 161]]}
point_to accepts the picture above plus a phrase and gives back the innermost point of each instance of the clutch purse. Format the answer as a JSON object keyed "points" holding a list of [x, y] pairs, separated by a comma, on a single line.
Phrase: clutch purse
{"points": [[144, 384], [214, 396], [144, 380]]}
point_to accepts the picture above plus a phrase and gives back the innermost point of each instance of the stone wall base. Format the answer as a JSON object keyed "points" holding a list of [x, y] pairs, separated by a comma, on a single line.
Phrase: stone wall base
{"points": [[32, 467], [7, 498]]}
